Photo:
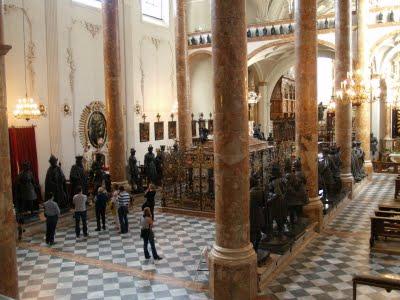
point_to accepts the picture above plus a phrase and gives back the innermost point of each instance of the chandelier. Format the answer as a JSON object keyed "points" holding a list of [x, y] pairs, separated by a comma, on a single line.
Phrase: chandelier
{"points": [[27, 109], [353, 90], [253, 98]]}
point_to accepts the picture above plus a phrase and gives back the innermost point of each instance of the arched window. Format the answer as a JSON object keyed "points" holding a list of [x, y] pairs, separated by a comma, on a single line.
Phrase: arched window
{"points": [[155, 11], [93, 3]]}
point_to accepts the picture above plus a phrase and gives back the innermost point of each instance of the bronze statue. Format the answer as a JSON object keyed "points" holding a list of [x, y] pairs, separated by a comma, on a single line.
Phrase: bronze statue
{"points": [[374, 145], [135, 178], [97, 174], [256, 216], [326, 181], [56, 184], [78, 177], [357, 162], [296, 192], [150, 165], [26, 190], [159, 167]]}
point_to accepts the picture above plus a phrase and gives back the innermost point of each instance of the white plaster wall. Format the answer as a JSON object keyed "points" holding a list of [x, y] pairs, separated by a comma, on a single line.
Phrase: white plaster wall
{"points": [[144, 46], [13, 35], [198, 15], [201, 86]]}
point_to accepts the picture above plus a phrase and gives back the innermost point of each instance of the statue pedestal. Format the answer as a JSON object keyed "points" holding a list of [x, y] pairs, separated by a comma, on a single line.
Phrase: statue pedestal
{"points": [[233, 273], [313, 211], [348, 183], [277, 245]]}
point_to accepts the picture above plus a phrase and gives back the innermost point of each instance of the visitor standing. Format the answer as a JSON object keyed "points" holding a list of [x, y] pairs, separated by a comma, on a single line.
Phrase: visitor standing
{"points": [[51, 212], [150, 195], [146, 233], [123, 204], [101, 200], [79, 201], [114, 206]]}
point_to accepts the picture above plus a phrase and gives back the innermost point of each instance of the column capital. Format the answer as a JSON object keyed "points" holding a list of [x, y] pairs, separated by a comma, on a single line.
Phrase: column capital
{"points": [[4, 49]]}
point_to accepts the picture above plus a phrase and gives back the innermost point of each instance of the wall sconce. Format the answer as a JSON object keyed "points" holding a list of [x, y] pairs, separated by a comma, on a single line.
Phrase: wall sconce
{"points": [[138, 109], [67, 109], [43, 110]]}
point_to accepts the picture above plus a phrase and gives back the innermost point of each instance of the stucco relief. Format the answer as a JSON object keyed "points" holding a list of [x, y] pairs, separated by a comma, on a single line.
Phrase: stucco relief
{"points": [[30, 49]]}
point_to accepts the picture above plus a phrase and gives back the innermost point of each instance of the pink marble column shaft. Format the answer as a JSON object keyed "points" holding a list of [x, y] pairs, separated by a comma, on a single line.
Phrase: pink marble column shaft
{"points": [[112, 78], [8, 259], [233, 263], [343, 65], [182, 82], [306, 98], [363, 112]]}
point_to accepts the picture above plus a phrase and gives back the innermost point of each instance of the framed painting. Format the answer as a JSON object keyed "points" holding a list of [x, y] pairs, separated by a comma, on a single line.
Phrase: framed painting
{"points": [[194, 128], [144, 132], [210, 127], [172, 130], [158, 131]]}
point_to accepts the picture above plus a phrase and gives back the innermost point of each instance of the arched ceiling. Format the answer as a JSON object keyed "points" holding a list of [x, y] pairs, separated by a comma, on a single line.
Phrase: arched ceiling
{"points": [[270, 10]]}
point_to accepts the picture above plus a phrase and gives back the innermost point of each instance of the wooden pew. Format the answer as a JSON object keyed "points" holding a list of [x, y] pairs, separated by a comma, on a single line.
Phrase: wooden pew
{"points": [[397, 188], [384, 227], [387, 283], [387, 213], [388, 207]]}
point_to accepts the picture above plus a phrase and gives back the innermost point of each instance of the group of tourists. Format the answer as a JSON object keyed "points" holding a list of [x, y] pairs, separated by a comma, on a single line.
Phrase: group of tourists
{"points": [[118, 203]]}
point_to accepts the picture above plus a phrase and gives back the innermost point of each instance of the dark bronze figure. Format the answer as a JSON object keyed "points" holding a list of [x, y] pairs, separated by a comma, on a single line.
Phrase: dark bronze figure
{"points": [[56, 184], [134, 174], [150, 166], [26, 191], [78, 177]]}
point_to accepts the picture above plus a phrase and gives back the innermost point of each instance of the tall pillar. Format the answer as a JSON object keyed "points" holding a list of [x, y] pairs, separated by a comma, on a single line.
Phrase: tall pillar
{"points": [[233, 262], [264, 107], [306, 98], [8, 258], [343, 65], [182, 82], [112, 78], [386, 119], [363, 112]]}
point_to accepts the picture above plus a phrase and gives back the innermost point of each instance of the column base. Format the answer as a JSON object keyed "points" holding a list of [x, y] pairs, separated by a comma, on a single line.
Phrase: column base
{"points": [[313, 211], [348, 183], [233, 273], [8, 259], [368, 169]]}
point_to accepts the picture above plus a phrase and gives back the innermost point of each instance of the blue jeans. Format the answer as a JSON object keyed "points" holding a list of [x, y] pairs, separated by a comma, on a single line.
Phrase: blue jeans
{"points": [[123, 218], [78, 216], [149, 238]]}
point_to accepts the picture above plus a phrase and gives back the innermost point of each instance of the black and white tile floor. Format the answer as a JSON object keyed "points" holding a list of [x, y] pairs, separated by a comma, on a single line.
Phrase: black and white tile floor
{"points": [[322, 271]]}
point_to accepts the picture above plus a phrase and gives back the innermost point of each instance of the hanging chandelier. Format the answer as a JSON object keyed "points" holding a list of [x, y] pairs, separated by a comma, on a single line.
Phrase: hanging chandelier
{"points": [[27, 109], [353, 90]]}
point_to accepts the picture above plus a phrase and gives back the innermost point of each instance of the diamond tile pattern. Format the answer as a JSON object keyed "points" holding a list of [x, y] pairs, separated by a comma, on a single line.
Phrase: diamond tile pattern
{"points": [[322, 271]]}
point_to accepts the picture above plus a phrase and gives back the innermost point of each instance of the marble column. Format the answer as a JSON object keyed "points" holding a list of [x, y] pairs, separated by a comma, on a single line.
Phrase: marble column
{"points": [[343, 65], [8, 259], [182, 82], [363, 112], [306, 98], [112, 78], [233, 262], [264, 107]]}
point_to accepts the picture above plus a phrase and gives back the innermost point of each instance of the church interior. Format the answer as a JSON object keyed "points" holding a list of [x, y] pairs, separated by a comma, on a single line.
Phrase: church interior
{"points": [[254, 144]]}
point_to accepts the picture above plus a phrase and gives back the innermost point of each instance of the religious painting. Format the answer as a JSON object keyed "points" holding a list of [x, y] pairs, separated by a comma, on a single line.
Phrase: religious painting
{"points": [[144, 132], [158, 131], [202, 124], [93, 125], [194, 128], [210, 126], [172, 130]]}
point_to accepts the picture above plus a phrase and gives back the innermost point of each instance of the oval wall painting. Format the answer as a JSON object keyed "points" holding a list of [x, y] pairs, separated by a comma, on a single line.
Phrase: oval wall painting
{"points": [[97, 129]]}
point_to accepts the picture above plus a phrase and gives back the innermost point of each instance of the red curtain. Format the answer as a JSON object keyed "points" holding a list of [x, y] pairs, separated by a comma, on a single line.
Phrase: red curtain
{"points": [[23, 148]]}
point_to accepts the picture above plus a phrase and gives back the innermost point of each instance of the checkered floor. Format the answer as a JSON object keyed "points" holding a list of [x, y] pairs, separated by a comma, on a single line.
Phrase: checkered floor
{"points": [[322, 271], [325, 268]]}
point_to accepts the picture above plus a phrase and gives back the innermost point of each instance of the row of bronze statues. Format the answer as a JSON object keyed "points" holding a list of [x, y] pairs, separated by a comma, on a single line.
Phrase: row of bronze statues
{"points": [[27, 190], [276, 210]]}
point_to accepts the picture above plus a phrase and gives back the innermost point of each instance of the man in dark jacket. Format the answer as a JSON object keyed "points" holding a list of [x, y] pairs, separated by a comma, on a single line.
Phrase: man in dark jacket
{"points": [[100, 205]]}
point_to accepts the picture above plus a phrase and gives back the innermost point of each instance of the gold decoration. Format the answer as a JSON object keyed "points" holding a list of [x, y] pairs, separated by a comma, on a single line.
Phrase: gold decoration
{"points": [[95, 107], [93, 29]]}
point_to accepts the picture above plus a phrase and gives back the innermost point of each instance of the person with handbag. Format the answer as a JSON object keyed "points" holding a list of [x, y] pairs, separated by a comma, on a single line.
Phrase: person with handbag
{"points": [[146, 233]]}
